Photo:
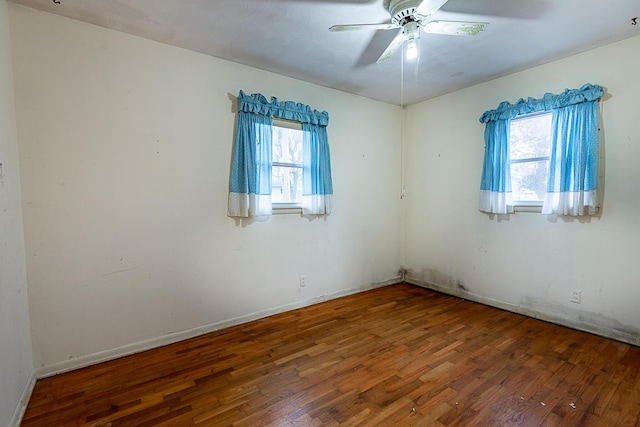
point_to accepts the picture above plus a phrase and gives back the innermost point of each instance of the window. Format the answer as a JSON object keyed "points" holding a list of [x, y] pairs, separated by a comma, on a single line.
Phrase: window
{"points": [[517, 154], [287, 164], [302, 159], [529, 150]]}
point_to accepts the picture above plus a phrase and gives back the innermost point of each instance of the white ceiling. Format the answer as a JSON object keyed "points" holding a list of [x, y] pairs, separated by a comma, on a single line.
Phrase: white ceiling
{"points": [[291, 37]]}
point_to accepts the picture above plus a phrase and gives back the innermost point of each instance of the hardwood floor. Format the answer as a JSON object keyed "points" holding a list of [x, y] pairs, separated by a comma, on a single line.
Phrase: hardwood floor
{"points": [[399, 355]]}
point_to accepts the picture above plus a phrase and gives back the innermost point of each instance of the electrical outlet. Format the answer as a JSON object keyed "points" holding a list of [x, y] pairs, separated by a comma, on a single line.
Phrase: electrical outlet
{"points": [[303, 281], [575, 296]]}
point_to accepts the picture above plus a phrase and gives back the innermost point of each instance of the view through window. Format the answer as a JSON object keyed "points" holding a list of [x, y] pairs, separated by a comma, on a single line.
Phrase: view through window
{"points": [[530, 149], [286, 176]]}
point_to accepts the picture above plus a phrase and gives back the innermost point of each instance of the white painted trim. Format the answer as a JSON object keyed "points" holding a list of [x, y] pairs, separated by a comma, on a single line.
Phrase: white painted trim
{"points": [[18, 412], [126, 350], [547, 317]]}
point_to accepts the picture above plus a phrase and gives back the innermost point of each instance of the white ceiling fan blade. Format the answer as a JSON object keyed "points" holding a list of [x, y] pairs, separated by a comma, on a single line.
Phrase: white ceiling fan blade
{"points": [[357, 27], [429, 7], [455, 28], [393, 46]]}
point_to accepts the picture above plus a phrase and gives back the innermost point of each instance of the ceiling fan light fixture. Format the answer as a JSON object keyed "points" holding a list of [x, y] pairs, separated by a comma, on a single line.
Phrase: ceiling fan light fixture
{"points": [[412, 49], [411, 35]]}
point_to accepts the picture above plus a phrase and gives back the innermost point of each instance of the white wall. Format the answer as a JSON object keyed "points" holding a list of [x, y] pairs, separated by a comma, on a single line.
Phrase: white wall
{"points": [[15, 342], [125, 146], [529, 262]]}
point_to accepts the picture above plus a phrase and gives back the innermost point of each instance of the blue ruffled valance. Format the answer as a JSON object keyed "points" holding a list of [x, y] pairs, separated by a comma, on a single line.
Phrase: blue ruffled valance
{"points": [[548, 102], [257, 104]]}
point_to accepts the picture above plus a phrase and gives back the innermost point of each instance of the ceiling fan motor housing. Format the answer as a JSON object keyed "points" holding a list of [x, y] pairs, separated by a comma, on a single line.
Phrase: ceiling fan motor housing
{"points": [[402, 11]]}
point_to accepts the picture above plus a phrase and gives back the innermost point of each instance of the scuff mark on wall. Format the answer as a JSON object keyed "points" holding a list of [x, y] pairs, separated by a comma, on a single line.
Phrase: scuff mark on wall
{"points": [[118, 271]]}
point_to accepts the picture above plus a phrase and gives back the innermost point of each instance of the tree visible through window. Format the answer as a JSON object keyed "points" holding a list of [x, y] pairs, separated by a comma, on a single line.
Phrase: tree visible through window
{"points": [[529, 150], [286, 175]]}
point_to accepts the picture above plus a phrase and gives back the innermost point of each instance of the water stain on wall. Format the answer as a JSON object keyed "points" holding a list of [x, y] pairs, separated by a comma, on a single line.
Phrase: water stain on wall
{"points": [[579, 319], [434, 276]]}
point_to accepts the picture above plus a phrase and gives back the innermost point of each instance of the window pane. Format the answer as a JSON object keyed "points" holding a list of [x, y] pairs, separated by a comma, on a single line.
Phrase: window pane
{"points": [[287, 145], [286, 184], [529, 180], [530, 137]]}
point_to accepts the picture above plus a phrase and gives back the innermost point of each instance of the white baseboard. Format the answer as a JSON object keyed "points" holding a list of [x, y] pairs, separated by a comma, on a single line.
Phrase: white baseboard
{"points": [[525, 311], [126, 350], [18, 412]]}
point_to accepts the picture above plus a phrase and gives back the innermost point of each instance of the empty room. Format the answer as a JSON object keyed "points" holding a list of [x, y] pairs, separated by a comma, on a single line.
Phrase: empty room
{"points": [[319, 212]]}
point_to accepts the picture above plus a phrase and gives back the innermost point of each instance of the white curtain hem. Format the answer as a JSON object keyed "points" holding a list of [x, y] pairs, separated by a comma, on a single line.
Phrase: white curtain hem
{"points": [[245, 205], [571, 203], [496, 202]]}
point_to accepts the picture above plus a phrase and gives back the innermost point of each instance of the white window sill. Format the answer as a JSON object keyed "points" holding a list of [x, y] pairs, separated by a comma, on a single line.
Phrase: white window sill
{"points": [[528, 208], [286, 209], [534, 208]]}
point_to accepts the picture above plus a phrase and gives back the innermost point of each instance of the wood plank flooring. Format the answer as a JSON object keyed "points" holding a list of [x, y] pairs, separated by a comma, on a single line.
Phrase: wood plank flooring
{"points": [[395, 356]]}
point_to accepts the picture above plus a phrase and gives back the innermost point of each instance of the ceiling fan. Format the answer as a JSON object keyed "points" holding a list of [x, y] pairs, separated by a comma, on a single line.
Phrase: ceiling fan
{"points": [[409, 16]]}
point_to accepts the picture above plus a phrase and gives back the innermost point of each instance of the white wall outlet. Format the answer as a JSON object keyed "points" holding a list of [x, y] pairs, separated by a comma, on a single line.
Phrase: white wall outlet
{"points": [[575, 296], [303, 281]]}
